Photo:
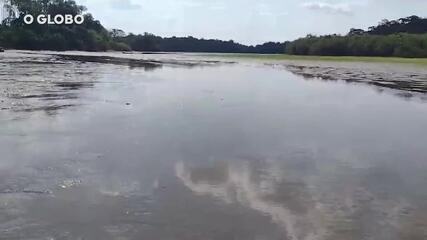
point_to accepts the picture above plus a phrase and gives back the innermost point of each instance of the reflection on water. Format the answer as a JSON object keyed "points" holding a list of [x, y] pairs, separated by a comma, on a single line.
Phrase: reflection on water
{"points": [[230, 151], [310, 202], [288, 203]]}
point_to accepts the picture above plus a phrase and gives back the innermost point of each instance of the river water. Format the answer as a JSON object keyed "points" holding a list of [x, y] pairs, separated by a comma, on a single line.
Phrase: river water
{"points": [[185, 146]]}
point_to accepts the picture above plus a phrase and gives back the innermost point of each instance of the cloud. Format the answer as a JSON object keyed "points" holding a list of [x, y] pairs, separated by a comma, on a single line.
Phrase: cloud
{"points": [[124, 5], [337, 8]]}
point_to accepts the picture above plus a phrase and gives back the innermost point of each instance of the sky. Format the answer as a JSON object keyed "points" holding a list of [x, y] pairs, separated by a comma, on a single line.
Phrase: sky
{"points": [[248, 21]]}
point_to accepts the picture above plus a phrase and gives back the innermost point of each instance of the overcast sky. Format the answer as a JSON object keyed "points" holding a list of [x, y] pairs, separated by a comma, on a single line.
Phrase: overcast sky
{"points": [[248, 21]]}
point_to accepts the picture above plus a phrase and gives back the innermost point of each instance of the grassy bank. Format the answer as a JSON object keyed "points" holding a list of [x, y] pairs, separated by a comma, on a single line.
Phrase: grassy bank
{"points": [[418, 61]]}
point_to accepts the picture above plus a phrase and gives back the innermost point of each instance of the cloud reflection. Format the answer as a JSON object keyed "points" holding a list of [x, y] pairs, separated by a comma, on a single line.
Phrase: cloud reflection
{"points": [[288, 203], [332, 201]]}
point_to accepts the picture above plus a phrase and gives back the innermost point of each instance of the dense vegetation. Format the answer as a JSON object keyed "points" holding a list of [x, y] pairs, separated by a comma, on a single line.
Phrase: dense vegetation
{"points": [[14, 33], [149, 42], [406, 37], [92, 36]]}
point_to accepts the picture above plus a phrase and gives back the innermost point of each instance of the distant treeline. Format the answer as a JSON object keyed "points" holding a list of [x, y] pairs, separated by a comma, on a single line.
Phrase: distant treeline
{"points": [[92, 36], [405, 37], [150, 42]]}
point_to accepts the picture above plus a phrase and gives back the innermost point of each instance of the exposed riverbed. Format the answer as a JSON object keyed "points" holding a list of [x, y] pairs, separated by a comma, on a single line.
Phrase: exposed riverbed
{"points": [[185, 146]]}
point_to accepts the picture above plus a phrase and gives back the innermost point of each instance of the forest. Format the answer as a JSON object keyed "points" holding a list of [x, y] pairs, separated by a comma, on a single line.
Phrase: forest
{"points": [[92, 36], [150, 42], [404, 37], [89, 36]]}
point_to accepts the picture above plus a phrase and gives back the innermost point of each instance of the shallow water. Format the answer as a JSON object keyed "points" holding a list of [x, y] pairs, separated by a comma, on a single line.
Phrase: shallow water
{"points": [[201, 148]]}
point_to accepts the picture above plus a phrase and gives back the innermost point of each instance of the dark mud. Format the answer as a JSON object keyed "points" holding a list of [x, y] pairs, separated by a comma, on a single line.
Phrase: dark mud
{"points": [[408, 83], [32, 81], [132, 63], [26, 86], [147, 64]]}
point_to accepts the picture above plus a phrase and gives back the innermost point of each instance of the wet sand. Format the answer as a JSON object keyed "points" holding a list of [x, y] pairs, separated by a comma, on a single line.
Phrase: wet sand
{"points": [[184, 146]]}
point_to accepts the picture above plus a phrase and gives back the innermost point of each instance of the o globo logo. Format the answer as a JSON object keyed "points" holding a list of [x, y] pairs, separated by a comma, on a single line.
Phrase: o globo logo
{"points": [[59, 19]]}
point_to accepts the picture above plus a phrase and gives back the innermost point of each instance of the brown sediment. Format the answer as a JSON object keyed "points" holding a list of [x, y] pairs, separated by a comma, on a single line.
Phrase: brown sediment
{"points": [[27, 85], [147, 64], [408, 83]]}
